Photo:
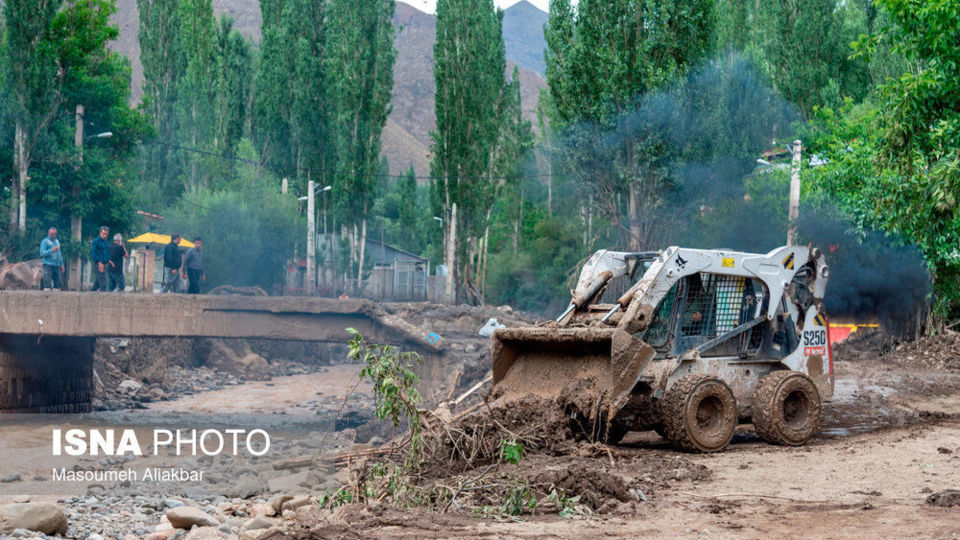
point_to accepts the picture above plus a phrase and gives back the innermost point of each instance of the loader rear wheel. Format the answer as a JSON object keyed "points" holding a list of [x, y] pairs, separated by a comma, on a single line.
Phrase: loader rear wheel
{"points": [[699, 414], [786, 408]]}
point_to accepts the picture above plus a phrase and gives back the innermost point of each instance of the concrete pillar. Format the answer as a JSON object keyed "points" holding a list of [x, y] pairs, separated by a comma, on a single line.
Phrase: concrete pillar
{"points": [[45, 374]]}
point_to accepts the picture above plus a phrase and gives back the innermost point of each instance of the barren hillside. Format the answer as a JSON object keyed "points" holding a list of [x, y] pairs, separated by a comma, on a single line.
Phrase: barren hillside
{"points": [[406, 139]]}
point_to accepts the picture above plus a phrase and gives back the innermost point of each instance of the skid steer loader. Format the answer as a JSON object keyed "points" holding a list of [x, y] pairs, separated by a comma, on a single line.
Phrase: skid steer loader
{"points": [[685, 341]]}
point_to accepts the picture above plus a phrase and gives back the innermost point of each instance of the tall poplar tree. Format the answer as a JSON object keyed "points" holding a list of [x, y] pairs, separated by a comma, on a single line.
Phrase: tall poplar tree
{"points": [[359, 71], [469, 65], [164, 63], [290, 113]]}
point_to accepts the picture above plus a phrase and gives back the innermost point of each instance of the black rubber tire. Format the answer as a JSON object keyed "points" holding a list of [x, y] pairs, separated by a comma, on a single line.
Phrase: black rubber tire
{"points": [[699, 414], [786, 408]]}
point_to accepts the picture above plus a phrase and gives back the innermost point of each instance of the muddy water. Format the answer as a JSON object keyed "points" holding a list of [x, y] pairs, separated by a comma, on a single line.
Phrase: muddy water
{"points": [[296, 412]]}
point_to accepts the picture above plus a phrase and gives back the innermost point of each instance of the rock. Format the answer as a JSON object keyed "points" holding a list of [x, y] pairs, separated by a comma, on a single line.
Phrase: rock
{"points": [[20, 276], [375, 441], [21, 499], [946, 498], [172, 503], [41, 517], [204, 533], [94, 536], [291, 482], [129, 387], [261, 509], [6, 479], [277, 502], [259, 522], [160, 535], [257, 534], [245, 488], [295, 503], [185, 517]]}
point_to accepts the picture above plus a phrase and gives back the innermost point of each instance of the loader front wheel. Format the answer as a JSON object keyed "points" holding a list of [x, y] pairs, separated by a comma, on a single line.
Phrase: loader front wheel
{"points": [[699, 414], [786, 408]]}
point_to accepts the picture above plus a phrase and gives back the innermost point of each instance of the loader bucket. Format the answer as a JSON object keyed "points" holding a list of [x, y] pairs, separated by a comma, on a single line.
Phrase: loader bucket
{"points": [[592, 369]]}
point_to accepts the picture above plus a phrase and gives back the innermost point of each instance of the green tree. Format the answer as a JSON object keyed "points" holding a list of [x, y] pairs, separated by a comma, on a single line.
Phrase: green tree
{"points": [[475, 125], [164, 64], [359, 74], [803, 48], [248, 235], [34, 83], [290, 114], [603, 59]]}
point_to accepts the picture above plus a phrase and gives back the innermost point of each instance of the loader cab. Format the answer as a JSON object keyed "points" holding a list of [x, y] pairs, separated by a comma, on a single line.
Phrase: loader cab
{"points": [[702, 308]]}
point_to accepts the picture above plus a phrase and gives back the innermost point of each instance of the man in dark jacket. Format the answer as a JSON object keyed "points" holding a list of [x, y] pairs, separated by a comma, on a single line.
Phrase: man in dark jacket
{"points": [[193, 262], [100, 255], [172, 261]]}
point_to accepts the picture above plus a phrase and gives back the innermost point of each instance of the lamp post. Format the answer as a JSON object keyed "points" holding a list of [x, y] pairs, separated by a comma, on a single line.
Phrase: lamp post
{"points": [[312, 233], [74, 282]]}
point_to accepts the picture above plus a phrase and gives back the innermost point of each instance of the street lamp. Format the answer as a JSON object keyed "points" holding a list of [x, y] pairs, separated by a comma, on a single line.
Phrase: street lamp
{"points": [[104, 135], [440, 219], [312, 231]]}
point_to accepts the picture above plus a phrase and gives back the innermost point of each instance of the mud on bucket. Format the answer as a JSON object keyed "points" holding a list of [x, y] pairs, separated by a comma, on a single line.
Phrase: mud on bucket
{"points": [[590, 370]]}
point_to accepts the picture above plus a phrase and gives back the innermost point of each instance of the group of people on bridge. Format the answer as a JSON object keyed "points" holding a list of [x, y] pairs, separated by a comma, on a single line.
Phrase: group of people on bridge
{"points": [[179, 271]]}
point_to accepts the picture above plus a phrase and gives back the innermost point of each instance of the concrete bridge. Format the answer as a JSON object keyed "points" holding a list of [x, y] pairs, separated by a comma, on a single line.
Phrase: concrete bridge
{"points": [[47, 338]]}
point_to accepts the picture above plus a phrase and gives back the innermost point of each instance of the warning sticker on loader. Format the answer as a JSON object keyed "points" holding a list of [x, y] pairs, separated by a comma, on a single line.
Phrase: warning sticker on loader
{"points": [[726, 262], [815, 342]]}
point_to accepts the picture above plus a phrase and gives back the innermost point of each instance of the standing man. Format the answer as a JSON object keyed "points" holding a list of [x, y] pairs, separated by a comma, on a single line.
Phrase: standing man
{"points": [[172, 261], [52, 260], [118, 252], [100, 255], [193, 262]]}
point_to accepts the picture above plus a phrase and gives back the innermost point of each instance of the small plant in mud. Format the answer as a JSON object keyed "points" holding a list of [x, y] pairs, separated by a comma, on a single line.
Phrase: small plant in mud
{"points": [[566, 506], [395, 387], [511, 451], [338, 498], [520, 499]]}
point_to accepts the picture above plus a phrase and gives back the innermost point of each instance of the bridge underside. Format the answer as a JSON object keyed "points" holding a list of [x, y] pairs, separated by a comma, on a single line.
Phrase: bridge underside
{"points": [[47, 339], [45, 374]]}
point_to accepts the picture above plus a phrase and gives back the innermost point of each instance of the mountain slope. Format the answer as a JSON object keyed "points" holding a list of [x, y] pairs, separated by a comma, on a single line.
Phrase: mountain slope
{"points": [[523, 36], [406, 138]]}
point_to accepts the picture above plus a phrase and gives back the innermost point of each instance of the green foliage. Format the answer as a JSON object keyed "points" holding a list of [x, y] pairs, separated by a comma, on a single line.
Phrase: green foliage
{"points": [[603, 60], [511, 451], [567, 507], [519, 500], [395, 387], [360, 81], [248, 236], [896, 165]]}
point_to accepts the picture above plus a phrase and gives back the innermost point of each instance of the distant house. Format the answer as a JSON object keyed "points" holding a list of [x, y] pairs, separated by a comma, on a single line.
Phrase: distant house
{"points": [[396, 274]]}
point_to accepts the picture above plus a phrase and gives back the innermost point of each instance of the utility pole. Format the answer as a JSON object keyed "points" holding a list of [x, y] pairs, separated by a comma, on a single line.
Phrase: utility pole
{"points": [[311, 239], [451, 295], [74, 282], [794, 211]]}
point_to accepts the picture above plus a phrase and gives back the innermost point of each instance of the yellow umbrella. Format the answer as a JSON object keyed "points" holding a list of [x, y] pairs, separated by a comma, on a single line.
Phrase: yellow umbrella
{"points": [[154, 238]]}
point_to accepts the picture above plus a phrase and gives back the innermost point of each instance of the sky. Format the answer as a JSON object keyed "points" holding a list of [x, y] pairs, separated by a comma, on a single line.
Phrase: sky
{"points": [[430, 6]]}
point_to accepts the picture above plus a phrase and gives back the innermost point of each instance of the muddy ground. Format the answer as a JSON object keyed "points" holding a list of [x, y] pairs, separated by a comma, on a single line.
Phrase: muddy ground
{"points": [[882, 466], [891, 441]]}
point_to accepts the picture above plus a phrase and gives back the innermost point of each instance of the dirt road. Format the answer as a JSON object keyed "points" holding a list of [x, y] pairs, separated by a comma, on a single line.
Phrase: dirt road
{"points": [[891, 439]]}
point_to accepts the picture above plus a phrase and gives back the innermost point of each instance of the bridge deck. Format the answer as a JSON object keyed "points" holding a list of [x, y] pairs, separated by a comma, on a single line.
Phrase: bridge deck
{"points": [[166, 315]]}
